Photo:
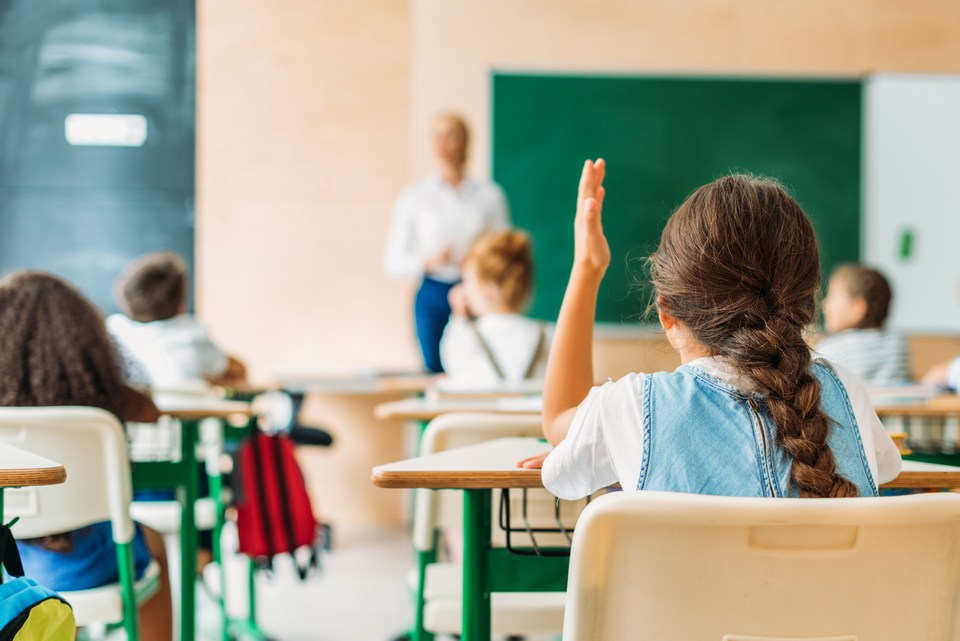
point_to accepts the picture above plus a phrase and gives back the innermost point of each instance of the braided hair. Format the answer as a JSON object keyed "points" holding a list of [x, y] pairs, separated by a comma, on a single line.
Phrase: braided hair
{"points": [[738, 264]]}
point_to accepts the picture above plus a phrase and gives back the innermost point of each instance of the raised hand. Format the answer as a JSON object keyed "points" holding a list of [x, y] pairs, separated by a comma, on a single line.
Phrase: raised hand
{"points": [[591, 250]]}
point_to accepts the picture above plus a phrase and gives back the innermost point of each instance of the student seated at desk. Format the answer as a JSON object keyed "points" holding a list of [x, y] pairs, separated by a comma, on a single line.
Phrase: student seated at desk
{"points": [[854, 312], [489, 341], [173, 346], [54, 350], [749, 412], [947, 373]]}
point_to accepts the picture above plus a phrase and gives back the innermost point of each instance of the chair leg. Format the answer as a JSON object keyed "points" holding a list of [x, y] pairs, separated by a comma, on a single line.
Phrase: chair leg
{"points": [[424, 559], [127, 574]]}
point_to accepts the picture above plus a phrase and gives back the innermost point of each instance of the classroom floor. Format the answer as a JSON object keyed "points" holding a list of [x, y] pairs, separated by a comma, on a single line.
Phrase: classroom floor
{"points": [[361, 595]]}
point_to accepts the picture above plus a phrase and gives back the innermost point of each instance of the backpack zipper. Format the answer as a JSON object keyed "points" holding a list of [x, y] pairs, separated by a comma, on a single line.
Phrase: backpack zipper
{"points": [[763, 442]]}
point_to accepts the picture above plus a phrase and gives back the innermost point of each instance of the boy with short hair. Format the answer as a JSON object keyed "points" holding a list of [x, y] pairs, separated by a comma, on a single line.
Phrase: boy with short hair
{"points": [[173, 346]]}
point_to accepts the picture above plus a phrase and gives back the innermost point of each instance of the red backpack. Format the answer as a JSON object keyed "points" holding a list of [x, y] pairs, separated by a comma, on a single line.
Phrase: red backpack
{"points": [[274, 515]]}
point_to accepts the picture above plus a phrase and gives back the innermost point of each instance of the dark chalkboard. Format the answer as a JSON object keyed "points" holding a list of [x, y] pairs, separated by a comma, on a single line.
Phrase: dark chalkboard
{"points": [[662, 138], [84, 211]]}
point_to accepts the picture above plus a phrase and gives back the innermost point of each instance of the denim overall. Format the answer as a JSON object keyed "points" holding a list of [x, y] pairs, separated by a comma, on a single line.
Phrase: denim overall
{"points": [[704, 436]]}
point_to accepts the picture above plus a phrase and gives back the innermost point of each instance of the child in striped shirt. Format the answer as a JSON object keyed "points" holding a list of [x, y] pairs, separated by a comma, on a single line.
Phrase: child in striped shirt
{"points": [[854, 312]]}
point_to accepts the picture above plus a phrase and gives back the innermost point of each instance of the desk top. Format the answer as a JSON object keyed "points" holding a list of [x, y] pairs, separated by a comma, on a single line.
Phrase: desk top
{"points": [[20, 468], [356, 383], [193, 407], [426, 409], [941, 406], [493, 465]]}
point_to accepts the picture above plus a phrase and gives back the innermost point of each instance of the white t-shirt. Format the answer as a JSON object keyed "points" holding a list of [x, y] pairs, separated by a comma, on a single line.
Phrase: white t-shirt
{"points": [[953, 375], [878, 356], [431, 215], [605, 442], [173, 351], [514, 340]]}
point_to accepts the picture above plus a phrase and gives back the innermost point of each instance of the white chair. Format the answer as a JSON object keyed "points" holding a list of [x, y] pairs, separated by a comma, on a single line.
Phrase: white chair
{"points": [[91, 445], [438, 605], [163, 516], [680, 567]]}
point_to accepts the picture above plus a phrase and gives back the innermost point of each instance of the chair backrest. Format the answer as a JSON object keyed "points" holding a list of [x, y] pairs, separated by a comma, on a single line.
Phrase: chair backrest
{"points": [[91, 445], [443, 509], [676, 567]]}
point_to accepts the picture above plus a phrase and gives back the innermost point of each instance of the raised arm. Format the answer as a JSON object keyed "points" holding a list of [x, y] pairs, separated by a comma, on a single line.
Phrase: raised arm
{"points": [[569, 374]]}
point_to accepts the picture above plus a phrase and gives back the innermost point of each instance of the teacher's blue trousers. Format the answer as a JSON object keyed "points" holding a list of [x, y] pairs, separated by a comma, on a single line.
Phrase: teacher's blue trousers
{"points": [[432, 312]]}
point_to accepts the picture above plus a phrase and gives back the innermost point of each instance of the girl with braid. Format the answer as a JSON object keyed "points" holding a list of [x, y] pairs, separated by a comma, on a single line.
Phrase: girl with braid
{"points": [[749, 412]]}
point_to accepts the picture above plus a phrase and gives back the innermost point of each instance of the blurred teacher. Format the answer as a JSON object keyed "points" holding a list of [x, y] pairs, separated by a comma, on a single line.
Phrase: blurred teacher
{"points": [[435, 221]]}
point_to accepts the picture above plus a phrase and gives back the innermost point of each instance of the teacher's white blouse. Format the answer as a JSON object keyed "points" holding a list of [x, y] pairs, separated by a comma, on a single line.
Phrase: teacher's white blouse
{"points": [[431, 215]]}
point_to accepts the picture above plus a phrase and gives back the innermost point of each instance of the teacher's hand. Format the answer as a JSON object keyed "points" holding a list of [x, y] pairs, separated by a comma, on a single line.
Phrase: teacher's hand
{"points": [[439, 260]]}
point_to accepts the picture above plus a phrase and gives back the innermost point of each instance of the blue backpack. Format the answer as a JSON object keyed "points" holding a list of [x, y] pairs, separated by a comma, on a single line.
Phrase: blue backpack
{"points": [[29, 612]]}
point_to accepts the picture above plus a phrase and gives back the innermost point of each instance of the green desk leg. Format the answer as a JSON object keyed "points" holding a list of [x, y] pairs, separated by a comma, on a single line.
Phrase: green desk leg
{"points": [[477, 507], [187, 495]]}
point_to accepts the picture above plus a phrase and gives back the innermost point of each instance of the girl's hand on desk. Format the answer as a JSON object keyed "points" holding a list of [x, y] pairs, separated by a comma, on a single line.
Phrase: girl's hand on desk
{"points": [[533, 462]]}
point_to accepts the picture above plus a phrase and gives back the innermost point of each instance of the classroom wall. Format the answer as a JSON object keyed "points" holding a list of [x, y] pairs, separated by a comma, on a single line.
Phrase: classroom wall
{"points": [[310, 120], [303, 141], [312, 117]]}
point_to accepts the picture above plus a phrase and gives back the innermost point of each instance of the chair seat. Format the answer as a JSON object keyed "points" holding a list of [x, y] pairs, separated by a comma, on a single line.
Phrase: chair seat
{"points": [[518, 613], [164, 516], [105, 604]]}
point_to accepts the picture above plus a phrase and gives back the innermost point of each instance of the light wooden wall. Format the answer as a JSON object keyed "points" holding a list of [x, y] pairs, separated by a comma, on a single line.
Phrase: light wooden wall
{"points": [[312, 115], [311, 118]]}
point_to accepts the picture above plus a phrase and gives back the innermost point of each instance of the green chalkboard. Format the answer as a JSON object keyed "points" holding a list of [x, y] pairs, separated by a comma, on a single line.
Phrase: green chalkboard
{"points": [[663, 137]]}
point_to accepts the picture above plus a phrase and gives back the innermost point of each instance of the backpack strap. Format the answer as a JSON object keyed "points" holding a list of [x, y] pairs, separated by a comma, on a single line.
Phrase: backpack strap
{"points": [[9, 553], [486, 349], [265, 521], [537, 352]]}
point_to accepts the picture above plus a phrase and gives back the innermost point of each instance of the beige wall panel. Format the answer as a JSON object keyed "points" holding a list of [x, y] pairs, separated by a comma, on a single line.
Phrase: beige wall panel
{"points": [[457, 44], [850, 37], [302, 146], [927, 351]]}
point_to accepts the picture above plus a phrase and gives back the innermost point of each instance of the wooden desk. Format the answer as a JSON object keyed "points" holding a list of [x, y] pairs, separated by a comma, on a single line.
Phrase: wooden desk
{"points": [[20, 468], [183, 477], [479, 469], [424, 409], [361, 383], [944, 406], [193, 408]]}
